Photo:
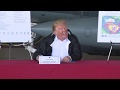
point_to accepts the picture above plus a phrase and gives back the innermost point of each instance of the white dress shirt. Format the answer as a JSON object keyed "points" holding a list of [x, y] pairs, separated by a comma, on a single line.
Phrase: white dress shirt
{"points": [[60, 48]]}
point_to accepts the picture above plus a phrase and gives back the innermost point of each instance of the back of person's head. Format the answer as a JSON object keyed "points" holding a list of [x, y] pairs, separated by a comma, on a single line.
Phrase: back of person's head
{"points": [[58, 22]]}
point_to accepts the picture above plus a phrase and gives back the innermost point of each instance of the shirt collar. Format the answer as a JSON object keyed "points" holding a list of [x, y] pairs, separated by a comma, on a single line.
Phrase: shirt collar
{"points": [[59, 39]]}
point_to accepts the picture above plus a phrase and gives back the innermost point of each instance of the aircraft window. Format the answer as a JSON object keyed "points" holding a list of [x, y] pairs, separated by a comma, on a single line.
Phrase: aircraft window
{"points": [[88, 32], [42, 14]]}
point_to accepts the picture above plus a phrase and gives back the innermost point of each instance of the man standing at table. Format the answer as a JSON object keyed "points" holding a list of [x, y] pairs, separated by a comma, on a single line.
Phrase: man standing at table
{"points": [[61, 42]]}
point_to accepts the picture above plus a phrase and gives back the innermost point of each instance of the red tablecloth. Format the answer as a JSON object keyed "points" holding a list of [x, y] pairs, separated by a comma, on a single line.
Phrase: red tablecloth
{"points": [[84, 69]]}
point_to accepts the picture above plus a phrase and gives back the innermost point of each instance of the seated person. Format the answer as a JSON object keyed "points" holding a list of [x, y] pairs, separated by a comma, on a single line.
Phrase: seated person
{"points": [[61, 42]]}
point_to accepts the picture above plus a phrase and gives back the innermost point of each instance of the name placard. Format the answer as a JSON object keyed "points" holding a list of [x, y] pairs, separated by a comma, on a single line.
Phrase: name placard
{"points": [[49, 60]]}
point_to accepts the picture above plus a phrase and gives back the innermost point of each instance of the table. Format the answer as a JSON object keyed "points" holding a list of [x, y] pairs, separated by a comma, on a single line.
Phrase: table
{"points": [[84, 69]]}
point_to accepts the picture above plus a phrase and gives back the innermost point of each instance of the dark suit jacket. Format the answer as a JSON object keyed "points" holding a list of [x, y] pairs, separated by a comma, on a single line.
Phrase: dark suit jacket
{"points": [[45, 49]]}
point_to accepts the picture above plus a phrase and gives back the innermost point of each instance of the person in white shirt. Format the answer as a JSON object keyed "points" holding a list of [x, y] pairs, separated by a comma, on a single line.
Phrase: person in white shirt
{"points": [[61, 42]]}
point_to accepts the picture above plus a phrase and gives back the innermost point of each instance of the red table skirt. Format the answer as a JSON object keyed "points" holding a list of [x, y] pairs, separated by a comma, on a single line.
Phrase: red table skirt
{"points": [[84, 69]]}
